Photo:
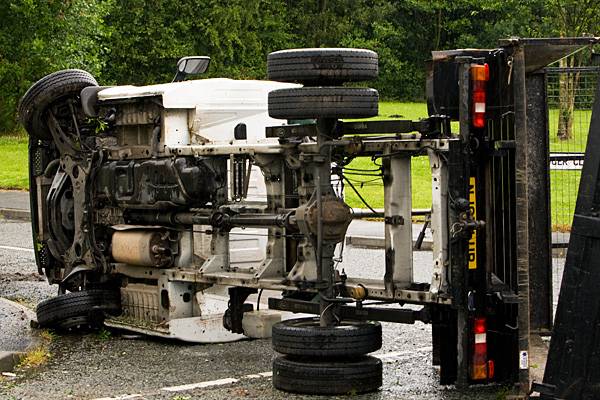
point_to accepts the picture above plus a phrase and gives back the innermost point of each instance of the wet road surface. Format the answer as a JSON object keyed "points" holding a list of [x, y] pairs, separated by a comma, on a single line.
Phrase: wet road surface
{"points": [[115, 364]]}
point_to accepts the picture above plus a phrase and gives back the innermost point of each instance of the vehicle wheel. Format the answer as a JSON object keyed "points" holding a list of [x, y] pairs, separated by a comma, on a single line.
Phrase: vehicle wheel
{"points": [[306, 376], [322, 66], [52, 88], [78, 309], [323, 102], [304, 337]]}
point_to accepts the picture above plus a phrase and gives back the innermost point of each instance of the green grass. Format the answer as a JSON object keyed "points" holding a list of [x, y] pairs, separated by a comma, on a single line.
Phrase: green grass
{"points": [[581, 127], [13, 162], [372, 188], [563, 192], [394, 109], [372, 191], [564, 184]]}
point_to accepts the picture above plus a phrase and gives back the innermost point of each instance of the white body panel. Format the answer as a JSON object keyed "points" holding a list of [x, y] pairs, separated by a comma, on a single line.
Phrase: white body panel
{"points": [[213, 108]]}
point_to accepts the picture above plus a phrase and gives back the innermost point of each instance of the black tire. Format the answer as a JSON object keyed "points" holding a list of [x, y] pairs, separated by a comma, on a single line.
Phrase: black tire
{"points": [[304, 376], [322, 66], [323, 102], [47, 91], [304, 337], [85, 308]]}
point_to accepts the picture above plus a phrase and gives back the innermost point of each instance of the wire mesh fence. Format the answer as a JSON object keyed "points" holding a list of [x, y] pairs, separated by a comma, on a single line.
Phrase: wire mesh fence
{"points": [[570, 93]]}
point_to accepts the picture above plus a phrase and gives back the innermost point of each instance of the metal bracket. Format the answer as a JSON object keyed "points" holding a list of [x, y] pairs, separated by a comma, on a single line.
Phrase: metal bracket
{"points": [[359, 312], [394, 220], [232, 319], [436, 125]]}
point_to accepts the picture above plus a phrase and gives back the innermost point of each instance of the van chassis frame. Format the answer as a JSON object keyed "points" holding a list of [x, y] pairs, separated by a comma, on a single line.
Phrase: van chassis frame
{"points": [[397, 284]]}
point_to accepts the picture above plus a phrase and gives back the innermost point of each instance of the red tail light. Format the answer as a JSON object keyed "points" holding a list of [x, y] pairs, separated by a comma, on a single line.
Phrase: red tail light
{"points": [[480, 74], [479, 362]]}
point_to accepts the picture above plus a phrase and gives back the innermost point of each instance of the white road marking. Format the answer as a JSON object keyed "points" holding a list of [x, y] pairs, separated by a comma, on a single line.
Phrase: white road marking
{"points": [[259, 375], [123, 397], [200, 385], [226, 381], [16, 248], [398, 354]]}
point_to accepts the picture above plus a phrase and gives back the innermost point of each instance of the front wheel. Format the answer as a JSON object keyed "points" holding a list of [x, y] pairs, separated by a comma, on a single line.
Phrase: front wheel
{"points": [[49, 91]]}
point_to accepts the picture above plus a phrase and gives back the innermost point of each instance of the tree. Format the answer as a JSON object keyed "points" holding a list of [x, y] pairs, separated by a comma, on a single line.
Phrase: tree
{"points": [[146, 42], [40, 37], [571, 18], [139, 41]]}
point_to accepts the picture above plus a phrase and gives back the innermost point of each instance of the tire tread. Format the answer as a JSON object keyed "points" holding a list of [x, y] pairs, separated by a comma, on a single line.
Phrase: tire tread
{"points": [[46, 91], [323, 65], [360, 375], [52, 311], [323, 102], [303, 337]]}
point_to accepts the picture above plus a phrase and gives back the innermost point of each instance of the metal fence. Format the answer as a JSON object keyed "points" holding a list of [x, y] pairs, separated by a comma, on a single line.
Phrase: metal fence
{"points": [[569, 121], [571, 93]]}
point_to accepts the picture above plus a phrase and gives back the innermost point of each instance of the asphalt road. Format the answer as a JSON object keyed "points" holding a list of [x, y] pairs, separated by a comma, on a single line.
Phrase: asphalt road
{"points": [[119, 365]]}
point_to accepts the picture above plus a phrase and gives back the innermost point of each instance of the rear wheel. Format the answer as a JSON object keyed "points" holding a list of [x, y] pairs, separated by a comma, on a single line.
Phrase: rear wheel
{"points": [[322, 66], [323, 102], [307, 376], [305, 337], [51, 90], [78, 309]]}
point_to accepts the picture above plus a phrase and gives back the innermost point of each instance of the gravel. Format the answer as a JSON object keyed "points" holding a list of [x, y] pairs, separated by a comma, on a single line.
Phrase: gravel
{"points": [[112, 363]]}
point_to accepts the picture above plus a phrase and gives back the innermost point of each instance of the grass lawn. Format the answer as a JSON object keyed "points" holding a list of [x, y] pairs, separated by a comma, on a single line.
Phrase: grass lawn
{"points": [[563, 193], [372, 190], [394, 109], [564, 184], [581, 127], [13, 162]]}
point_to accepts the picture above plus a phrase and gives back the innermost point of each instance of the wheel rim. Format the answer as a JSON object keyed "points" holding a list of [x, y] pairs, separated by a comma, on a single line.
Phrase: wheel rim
{"points": [[314, 323]]}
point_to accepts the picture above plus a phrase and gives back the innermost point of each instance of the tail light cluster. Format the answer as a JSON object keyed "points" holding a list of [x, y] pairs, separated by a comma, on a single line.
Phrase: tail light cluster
{"points": [[481, 368], [480, 74]]}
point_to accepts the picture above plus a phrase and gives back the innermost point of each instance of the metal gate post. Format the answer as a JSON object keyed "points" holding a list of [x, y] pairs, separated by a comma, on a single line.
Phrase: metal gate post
{"points": [[459, 275], [538, 196], [522, 211]]}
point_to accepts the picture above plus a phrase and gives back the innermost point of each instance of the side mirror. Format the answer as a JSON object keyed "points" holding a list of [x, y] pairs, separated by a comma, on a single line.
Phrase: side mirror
{"points": [[191, 66]]}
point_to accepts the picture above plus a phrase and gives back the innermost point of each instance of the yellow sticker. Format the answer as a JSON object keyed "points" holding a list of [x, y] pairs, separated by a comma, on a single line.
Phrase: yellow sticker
{"points": [[473, 240]]}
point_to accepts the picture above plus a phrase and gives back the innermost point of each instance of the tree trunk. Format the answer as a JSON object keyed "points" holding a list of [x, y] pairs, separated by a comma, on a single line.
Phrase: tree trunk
{"points": [[567, 86]]}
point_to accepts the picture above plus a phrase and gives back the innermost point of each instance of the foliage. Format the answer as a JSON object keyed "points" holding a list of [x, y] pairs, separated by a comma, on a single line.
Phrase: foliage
{"points": [[104, 334], [139, 42], [571, 18], [40, 37], [146, 42], [34, 358]]}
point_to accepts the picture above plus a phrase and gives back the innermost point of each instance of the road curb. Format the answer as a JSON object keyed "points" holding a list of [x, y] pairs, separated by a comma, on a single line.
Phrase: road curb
{"points": [[9, 359], [377, 242], [15, 214]]}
